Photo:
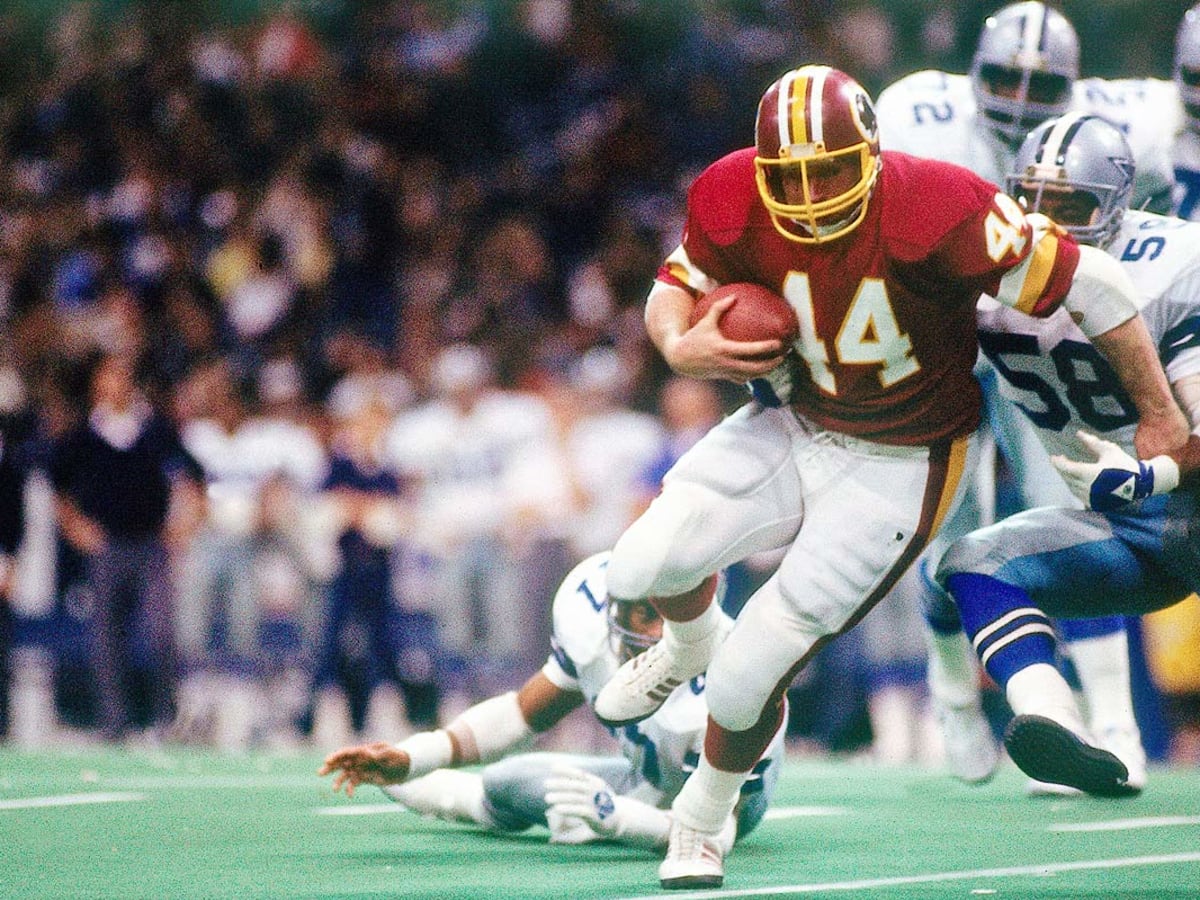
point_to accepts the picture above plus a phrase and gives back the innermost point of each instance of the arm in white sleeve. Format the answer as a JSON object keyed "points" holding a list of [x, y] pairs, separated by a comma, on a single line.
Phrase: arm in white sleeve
{"points": [[487, 731], [1102, 296]]}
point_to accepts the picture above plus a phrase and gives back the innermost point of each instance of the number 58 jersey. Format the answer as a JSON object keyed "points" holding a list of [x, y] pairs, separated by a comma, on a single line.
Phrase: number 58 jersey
{"points": [[1062, 383]]}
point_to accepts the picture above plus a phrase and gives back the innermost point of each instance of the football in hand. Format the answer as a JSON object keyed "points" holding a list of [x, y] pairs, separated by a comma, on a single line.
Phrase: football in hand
{"points": [[757, 313]]}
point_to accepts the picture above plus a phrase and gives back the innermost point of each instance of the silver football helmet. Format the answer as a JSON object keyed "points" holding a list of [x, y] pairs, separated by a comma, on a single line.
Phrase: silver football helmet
{"points": [[1024, 68], [1078, 170], [1187, 66]]}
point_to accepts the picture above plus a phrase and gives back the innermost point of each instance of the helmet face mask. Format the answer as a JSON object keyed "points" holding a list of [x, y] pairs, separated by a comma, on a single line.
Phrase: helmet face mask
{"points": [[1187, 66], [1024, 68], [633, 627], [817, 153], [1077, 170]]}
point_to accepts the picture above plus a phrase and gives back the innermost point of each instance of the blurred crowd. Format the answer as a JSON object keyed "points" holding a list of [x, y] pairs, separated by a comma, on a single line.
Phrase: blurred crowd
{"points": [[360, 287]]}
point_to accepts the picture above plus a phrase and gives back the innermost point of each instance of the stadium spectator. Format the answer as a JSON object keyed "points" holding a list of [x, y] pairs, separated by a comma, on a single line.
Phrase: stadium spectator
{"points": [[366, 635], [14, 431], [117, 476], [458, 454], [246, 571]]}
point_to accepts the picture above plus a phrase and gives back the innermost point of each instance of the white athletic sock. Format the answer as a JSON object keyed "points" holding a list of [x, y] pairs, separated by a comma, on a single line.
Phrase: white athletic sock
{"points": [[707, 798], [1102, 664], [694, 630], [1041, 690], [953, 669]]}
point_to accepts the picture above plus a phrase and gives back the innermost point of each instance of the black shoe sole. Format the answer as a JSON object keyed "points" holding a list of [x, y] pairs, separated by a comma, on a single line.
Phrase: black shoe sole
{"points": [[621, 723], [692, 881], [1047, 751]]}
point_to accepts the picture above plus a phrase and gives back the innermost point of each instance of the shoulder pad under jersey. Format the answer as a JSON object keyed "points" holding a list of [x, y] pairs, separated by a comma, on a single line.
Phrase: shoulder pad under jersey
{"points": [[580, 615]]}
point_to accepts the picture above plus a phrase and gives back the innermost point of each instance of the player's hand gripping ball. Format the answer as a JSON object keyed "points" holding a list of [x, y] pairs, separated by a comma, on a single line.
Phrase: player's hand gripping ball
{"points": [[757, 314]]}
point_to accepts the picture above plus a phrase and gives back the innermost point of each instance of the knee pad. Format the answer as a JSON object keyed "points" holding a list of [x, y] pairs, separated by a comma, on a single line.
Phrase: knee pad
{"points": [[965, 556], [663, 553], [737, 692]]}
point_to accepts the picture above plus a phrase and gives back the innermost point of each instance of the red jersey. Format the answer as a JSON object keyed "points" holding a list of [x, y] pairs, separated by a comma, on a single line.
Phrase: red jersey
{"points": [[887, 312]]}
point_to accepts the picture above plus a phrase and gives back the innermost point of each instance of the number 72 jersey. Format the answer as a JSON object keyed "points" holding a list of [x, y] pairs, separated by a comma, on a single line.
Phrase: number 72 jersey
{"points": [[1061, 382]]}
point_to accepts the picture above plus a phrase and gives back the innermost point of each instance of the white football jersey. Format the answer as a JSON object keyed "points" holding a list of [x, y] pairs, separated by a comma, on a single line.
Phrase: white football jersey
{"points": [[237, 465], [1049, 369], [459, 463], [1147, 111], [1186, 156], [933, 114], [664, 748]]}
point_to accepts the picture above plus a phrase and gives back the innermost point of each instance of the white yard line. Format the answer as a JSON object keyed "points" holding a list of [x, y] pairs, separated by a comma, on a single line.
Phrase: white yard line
{"points": [[801, 812], [360, 809], [190, 782], [69, 800], [1128, 824], [868, 883]]}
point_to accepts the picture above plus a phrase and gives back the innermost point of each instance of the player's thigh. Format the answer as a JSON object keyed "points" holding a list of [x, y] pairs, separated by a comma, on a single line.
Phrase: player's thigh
{"points": [[1073, 563], [735, 493], [861, 531]]}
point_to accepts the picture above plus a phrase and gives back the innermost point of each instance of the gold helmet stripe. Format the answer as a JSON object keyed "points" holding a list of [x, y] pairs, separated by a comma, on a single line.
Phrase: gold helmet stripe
{"points": [[790, 116]]}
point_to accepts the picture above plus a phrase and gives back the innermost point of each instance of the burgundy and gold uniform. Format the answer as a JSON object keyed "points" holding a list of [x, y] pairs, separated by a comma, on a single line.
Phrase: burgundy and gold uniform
{"points": [[887, 311]]}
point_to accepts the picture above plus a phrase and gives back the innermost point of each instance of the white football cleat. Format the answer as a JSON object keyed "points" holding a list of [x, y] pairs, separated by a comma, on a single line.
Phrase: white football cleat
{"points": [[643, 684], [694, 859], [971, 751], [1124, 741], [1047, 750]]}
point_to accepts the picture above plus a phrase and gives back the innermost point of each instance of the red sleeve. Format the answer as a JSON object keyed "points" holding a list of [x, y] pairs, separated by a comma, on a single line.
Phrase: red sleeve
{"points": [[721, 202], [1025, 262]]}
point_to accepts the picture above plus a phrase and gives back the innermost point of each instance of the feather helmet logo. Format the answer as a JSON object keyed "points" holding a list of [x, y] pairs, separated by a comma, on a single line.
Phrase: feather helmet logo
{"points": [[864, 116]]}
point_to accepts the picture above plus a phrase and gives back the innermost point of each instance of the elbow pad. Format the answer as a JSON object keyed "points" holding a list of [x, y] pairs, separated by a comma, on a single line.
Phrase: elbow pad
{"points": [[489, 730]]}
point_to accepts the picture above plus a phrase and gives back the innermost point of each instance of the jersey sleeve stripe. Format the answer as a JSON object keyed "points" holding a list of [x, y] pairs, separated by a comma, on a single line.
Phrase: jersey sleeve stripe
{"points": [[1038, 284], [1039, 266], [679, 270]]}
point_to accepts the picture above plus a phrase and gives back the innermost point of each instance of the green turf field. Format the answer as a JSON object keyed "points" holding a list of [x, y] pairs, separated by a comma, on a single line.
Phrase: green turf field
{"points": [[173, 824]]}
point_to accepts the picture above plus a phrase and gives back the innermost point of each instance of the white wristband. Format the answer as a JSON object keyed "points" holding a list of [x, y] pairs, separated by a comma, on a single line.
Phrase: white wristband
{"points": [[427, 750], [1166, 474]]}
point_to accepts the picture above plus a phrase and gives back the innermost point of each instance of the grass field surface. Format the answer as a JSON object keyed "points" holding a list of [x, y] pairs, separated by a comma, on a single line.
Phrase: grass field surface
{"points": [[173, 824]]}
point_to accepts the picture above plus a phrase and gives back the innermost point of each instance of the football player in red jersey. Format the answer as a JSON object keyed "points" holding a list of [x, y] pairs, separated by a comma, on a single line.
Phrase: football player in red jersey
{"points": [[856, 447]]}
